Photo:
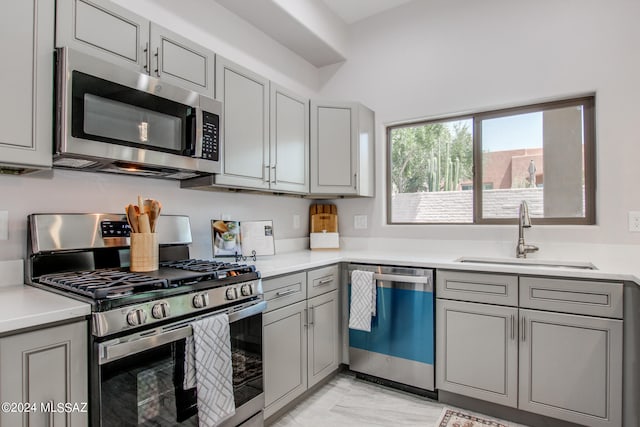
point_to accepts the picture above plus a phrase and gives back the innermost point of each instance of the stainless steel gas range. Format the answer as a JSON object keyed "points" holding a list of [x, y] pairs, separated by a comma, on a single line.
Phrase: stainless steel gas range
{"points": [[140, 321]]}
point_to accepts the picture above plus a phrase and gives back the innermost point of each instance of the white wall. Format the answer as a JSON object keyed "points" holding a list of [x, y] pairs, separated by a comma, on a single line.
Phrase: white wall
{"points": [[431, 58], [73, 192], [66, 191]]}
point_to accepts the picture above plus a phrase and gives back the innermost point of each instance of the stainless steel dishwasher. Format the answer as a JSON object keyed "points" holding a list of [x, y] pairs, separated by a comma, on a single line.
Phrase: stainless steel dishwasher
{"points": [[399, 350]]}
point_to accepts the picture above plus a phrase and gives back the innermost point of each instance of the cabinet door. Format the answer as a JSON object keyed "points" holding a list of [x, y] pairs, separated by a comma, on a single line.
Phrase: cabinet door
{"points": [[324, 336], [571, 367], [477, 351], [47, 366], [285, 355], [181, 62], [333, 148], [245, 154], [289, 142], [26, 84], [105, 30]]}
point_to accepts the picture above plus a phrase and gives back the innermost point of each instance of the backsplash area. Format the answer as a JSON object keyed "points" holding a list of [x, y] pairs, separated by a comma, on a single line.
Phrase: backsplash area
{"points": [[62, 191]]}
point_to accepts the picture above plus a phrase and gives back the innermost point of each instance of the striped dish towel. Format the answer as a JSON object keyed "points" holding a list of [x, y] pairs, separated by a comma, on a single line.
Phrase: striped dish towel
{"points": [[210, 351], [363, 300]]}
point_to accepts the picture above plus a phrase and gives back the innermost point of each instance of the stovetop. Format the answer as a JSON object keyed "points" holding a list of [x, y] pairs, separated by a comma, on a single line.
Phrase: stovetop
{"points": [[86, 257], [109, 288]]}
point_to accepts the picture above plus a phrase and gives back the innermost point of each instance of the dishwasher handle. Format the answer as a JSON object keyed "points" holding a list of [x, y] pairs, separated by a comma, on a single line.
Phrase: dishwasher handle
{"points": [[402, 278]]}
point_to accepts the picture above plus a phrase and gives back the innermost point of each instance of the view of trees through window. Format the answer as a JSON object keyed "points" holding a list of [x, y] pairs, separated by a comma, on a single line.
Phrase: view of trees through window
{"points": [[540, 153]]}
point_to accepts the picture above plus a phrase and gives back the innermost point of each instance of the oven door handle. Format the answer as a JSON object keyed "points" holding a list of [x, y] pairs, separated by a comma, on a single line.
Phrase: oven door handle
{"points": [[117, 349]]}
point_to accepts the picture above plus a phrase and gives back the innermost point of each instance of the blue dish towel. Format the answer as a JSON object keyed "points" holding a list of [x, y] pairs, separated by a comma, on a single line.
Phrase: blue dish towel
{"points": [[363, 300]]}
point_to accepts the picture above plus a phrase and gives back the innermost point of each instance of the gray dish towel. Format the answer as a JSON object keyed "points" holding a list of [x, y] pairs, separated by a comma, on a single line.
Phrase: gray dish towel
{"points": [[363, 300], [209, 352]]}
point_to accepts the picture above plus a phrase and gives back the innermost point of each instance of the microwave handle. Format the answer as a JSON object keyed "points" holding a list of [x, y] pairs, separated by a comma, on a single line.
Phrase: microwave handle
{"points": [[114, 350], [195, 134]]}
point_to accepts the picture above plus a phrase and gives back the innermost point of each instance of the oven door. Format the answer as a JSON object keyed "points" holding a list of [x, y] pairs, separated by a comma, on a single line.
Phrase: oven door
{"points": [[138, 379]]}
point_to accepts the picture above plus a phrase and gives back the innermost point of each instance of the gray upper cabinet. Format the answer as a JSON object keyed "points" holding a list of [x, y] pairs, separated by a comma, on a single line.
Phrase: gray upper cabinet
{"points": [[245, 131], [47, 366], [26, 83], [113, 33], [571, 367], [289, 142], [489, 374], [342, 149], [181, 62], [265, 134]]}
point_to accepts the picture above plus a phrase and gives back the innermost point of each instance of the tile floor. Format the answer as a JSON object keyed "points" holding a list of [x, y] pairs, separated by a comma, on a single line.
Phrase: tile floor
{"points": [[346, 401]]}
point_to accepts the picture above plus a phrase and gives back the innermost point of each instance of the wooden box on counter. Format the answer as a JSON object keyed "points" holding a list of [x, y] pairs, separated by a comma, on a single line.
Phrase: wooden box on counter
{"points": [[323, 220]]}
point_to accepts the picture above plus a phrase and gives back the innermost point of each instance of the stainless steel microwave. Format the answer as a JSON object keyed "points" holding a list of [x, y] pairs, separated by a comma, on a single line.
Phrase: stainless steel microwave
{"points": [[112, 119]]}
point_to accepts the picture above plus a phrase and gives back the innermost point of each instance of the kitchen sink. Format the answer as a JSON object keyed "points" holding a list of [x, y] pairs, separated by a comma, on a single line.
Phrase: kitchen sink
{"points": [[529, 263]]}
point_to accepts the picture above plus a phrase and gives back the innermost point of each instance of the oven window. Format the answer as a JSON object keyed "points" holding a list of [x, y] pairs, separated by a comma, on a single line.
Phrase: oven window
{"points": [[246, 354], [144, 389], [112, 113]]}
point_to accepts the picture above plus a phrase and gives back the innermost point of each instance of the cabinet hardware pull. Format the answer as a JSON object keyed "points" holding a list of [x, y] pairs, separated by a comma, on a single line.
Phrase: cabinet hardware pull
{"points": [[265, 177], [275, 179], [325, 281], [310, 318], [306, 317], [157, 55], [287, 292], [524, 328], [355, 181], [146, 58], [513, 327]]}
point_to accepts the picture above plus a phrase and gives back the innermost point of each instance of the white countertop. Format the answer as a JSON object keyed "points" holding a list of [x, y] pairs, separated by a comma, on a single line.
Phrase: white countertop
{"points": [[306, 259], [23, 306]]}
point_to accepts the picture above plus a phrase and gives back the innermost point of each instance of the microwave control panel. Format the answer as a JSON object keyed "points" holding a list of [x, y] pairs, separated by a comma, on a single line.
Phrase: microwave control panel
{"points": [[210, 138]]}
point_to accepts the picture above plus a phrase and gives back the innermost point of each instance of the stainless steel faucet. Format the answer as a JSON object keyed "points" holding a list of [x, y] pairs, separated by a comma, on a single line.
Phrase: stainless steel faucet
{"points": [[524, 221]]}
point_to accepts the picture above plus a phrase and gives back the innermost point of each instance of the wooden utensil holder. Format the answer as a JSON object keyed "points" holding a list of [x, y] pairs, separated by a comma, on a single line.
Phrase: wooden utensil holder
{"points": [[144, 252]]}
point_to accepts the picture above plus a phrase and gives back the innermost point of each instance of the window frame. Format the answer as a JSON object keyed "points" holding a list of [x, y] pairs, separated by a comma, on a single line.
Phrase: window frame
{"points": [[588, 104]]}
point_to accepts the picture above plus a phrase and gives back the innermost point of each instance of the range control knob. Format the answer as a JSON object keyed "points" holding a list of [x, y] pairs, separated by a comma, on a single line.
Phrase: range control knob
{"points": [[231, 294], [201, 300], [246, 290], [136, 317], [161, 310]]}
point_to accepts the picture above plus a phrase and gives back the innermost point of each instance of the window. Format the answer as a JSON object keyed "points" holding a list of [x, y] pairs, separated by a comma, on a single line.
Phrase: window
{"points": [[478, 168]]}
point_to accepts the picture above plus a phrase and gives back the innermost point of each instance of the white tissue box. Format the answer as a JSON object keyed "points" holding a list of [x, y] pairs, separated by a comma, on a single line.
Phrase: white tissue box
{"points": [[324, 240]]}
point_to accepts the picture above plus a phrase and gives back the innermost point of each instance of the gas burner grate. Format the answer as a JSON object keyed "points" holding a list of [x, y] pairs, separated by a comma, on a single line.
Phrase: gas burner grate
{"points": [[221, 269], [106, 283]]}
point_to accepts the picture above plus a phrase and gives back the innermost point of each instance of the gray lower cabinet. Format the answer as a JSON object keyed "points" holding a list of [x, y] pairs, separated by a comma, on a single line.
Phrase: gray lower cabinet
{"points": [[571, 367], [324, 336], [45, 367], [285, 355], [557, 351], [477, 351], [26, 84], [301, 336]]}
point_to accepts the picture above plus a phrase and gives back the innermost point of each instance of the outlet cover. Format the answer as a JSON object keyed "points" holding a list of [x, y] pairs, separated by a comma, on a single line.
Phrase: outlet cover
{"points": [[4, 225], [296, 222], [634, 221], [359, 222]]}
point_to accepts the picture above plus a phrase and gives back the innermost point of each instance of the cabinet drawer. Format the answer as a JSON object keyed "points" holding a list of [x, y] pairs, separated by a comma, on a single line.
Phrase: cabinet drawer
{"points": [[322, 280], [284, 290], [477, 287], [572, 296]]}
